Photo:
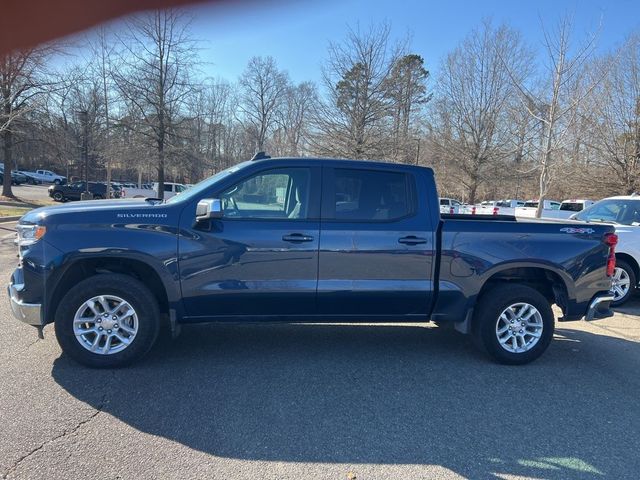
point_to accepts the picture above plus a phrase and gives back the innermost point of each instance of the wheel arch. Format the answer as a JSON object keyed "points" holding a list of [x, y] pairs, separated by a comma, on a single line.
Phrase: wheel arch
{"points": [[547, 281], [631, 261], [83, 268]]}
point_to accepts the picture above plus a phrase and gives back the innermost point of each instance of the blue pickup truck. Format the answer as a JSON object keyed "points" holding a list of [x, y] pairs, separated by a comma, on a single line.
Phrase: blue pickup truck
{"points": [[304, 240]]}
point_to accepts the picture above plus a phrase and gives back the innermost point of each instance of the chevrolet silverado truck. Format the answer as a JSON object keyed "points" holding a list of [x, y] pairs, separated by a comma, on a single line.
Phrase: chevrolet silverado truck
{"points": [[303, 240]]}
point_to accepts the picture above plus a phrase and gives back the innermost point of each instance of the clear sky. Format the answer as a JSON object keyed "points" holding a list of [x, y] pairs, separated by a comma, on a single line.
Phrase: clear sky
{"points": [[296, 33]]}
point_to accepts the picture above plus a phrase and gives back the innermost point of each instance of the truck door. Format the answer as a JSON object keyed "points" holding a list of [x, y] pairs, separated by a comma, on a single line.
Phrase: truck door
{"points": [[73, 191], [261, 258], [376, 246]]}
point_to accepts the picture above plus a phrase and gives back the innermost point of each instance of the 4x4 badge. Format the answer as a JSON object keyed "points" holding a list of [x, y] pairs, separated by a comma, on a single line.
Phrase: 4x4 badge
{"points": [[577, 230]]}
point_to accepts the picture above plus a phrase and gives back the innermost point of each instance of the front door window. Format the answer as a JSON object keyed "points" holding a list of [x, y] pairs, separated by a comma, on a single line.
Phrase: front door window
{"points": [[276, 194]]}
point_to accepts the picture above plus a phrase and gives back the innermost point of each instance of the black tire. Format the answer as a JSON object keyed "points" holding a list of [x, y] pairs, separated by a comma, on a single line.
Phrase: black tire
{"points": [[57, 181], [98, 197], [488, 311], [58, 196], [30, 181], [128, 289], [621, 264]]}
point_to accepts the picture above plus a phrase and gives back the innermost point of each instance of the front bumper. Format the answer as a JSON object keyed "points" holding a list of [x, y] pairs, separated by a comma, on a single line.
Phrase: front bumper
{"points": [[30, 313], [599, 307]]}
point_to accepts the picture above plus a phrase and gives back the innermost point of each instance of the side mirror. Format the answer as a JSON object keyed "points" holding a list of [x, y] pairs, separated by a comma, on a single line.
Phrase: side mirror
{"points": [[208, 208]]}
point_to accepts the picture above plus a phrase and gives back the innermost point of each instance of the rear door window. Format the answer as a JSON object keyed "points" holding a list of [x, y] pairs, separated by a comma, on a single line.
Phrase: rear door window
{"points": [[372, 195]]}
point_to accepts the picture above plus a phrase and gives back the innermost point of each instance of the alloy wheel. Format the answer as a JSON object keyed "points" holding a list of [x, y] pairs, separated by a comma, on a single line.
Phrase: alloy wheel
{"points": [[519, 327]]}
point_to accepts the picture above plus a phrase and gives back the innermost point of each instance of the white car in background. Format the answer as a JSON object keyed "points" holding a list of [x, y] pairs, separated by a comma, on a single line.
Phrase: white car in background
{"points": [[624, 213], [568, 208], [170, 189], [131, 190], [450, 205], [47, 176], [499, 207], [528, 210]]}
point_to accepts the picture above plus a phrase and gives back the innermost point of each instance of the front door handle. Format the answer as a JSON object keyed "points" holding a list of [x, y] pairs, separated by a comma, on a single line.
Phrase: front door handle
{"points": [[297, 237], [412, 240]]}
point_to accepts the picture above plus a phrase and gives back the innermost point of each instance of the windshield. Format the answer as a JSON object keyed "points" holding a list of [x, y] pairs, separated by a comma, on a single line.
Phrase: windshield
{"points": [[205, 184], [623, 211]]}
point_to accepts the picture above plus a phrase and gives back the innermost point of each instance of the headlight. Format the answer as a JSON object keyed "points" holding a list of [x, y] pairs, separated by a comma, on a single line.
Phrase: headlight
{"points": [[29, 234]]}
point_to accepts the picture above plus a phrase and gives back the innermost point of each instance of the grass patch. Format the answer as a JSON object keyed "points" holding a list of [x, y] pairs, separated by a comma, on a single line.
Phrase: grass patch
{"points": [[13, 211]]}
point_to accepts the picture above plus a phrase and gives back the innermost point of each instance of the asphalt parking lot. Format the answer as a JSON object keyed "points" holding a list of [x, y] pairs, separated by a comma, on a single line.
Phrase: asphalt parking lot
{"points": [[322, 402], [26, 192]]}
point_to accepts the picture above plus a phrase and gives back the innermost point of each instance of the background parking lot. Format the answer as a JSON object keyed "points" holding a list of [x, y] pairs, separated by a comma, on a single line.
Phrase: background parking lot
{"points": [[32, 193], [325, 402]]}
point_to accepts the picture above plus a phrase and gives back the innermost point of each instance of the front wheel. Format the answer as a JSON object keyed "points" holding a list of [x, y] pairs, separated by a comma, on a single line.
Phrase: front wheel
{"points": [[107, 321], [58, 196], [98, 197], [57, 181], [513, 324], [623, 283]]}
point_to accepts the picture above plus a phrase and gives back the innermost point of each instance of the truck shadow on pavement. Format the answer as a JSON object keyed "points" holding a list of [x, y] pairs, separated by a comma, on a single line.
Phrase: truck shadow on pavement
{"points": [[381, 395]]}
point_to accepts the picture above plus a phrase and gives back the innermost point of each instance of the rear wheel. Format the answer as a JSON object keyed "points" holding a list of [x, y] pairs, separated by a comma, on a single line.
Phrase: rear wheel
{"points": [[624, 282], [513, 324], [57, 181], [98, 197], [108, 320]]}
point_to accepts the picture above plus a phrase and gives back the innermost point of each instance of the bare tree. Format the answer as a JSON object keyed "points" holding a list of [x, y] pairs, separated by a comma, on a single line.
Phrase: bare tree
{"points": [[474, 96], [22, 79], [154, 76], [557, 105], [263, 90], [104, 52], [407, 92], [293, 120], [353, 121], [614, 117]]}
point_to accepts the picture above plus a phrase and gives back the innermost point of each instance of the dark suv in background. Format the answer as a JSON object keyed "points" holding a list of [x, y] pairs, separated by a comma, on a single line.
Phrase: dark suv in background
{"points": [[73, 191]]}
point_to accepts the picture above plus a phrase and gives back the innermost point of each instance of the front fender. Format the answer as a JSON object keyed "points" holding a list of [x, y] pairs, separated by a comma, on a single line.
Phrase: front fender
{"points": [[155, 246]]}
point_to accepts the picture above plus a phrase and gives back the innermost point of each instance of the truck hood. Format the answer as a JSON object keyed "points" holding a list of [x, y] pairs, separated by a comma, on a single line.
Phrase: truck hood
{"points": [[99, 207]]}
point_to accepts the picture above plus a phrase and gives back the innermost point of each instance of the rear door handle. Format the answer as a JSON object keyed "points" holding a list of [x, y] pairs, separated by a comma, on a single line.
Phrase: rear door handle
{"points": [[297, 237], [412, 240]]}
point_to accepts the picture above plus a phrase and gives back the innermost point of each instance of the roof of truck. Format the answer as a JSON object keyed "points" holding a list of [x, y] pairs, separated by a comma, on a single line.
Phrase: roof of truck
{"points": [[346, 161]]}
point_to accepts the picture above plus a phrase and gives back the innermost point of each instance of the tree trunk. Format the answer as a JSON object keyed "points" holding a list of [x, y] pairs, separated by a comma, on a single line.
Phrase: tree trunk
{"points": [[473, 190], [108, 178], [161, 172], [543, 189], [8, 150]]}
